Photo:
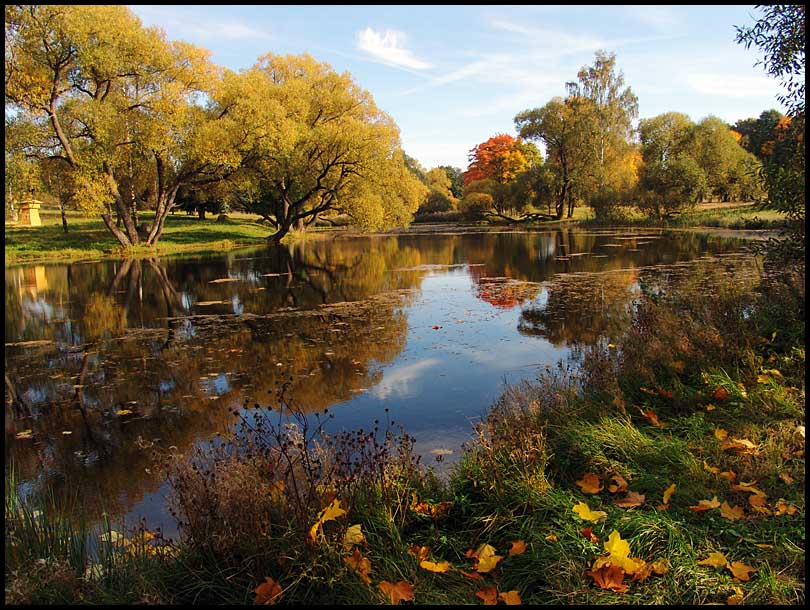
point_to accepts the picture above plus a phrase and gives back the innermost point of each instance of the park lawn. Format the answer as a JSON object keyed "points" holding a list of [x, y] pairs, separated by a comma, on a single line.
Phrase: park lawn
{"points": [[88, 238]]}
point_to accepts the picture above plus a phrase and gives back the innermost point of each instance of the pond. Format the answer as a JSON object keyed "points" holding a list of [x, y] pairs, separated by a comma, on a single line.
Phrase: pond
{"points": [[115, 358]]}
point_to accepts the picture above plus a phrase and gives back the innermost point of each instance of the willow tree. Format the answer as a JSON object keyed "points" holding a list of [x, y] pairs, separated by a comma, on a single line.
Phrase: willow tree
{"points": [[317, 144], [130, 115]]}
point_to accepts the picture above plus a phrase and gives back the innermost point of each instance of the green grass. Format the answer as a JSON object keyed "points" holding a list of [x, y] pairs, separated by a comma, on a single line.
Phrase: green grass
{"points": [[743, 216]]}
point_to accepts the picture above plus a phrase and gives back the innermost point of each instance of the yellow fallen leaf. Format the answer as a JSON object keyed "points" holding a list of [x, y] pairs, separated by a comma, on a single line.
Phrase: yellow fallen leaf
{"points": [[728, 475], [353, 536], [438, 567], [661, 566], [741, 571], [330, 513], [712, 469], [590, 483], [737, 598], [620, 554], [587, 514], [510, 598], [721, 434], [553, 538], [716, 559], [123, 412], [487, 564], [710, 407], [420, 552], [668, 493], [732, 513], [705, 505], [749, 488]]}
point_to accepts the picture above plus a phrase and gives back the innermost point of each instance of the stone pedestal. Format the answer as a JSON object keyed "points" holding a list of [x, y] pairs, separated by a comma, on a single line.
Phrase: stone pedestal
{"points": [[29, 214]]}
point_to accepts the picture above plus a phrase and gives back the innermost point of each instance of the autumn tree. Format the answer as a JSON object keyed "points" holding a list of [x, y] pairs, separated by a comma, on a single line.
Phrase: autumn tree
{"points": [[112, 101], [315, 142], [500, 158], [440, 197], [456, 176], [779, 36], [757, 132]]}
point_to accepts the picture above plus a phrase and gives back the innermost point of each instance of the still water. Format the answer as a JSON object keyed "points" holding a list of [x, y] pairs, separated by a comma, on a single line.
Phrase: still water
{"points": [[115, 358]]}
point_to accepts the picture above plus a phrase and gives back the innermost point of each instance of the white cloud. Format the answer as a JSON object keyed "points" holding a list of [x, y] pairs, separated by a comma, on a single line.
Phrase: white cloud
{"points": [[397, 380], [729, 85], [388, 46], [196, 28]]}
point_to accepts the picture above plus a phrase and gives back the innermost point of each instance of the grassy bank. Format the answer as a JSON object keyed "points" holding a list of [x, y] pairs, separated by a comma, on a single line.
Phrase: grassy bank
{"points": [[88, 238], [666, 467], [746, 216]]}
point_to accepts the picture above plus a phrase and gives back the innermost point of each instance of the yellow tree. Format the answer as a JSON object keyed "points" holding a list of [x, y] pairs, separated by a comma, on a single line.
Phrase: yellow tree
{"points": [[318, 143], [118, 105]]}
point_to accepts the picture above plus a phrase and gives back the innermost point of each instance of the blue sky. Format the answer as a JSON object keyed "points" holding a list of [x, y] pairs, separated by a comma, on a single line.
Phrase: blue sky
{"points": [[453, 76]]}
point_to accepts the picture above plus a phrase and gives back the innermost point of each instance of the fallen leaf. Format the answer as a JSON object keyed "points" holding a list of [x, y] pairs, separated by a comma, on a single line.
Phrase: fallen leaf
{"points": [[631, 500], [721, 434], [741, 571], [784, 476], [782, 508], [472, 575], [749, 488], [586, 514], [732, 513], [743, 445], [643, 573], [590, 483], [589, 535], [359, 564], [487, 564], [716, 559], [661, 566], [330, 513], [123, 412], [518, 548], [720, 393], [710, 407], [420, 552], [651, 417], [705, 505], [728, 475], [609, 577], [268, 592], [757, 502], [668, 494], [511, 598], [712, 469], [439, 567], [620, 484], [489, 595], [737, 598], [25, 434], [353, 536], [401, 591], [620, 554], [552, 538]]}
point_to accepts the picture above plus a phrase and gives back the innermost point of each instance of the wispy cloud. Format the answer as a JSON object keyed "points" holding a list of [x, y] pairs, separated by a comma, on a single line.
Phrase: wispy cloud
{"points": [[397, 380], [195, 28], [729, 85], [388, 47]]}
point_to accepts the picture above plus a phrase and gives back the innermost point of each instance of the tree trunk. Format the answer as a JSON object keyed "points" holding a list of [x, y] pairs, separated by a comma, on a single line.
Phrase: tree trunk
{"points": [[64, 215], [117, 233], [201, 213]]}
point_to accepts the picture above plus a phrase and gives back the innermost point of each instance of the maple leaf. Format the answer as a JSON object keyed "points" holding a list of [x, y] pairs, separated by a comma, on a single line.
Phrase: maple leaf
{"points": [[619, 551], [741, 571], [401, 591], [705, 505], [757, 502], [668, 494], [586, 514], [716, 559], [353, 536], [518, 548], [737, 598], [489, 595], [620, 484], [510, 598], [439, 567], [609, 577], [359, 564], [487, 564], [330, 513], [268, 592], [631, 500], [732, 513], [590, 483]]}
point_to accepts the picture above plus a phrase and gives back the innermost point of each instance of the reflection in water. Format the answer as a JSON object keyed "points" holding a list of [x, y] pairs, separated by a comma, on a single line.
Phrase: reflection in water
{"points": [[114, 359]]}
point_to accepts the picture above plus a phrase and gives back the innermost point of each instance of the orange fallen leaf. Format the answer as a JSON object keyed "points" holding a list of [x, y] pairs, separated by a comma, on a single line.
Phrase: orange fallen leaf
{"points": [[743, 445], [518, 548], [721, 434], [783, 508], [732, 513], [737, 598], [552, 538], [705, 505], [710, 407], [712, 469], [631, 500], [472, 575], [609, 577], [589, 535], [720, 393], [620, 484], [438, 567], [661, 566], [268, 592], [757, 502], [401, 591], [361, 565], [716, 559], [489, 595], [728, 475], [587, 514], [651, 417], [510, 598], [741, 571], [420, 552], [749, 488], [786, 478], [643, 573], [590, 483]]}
